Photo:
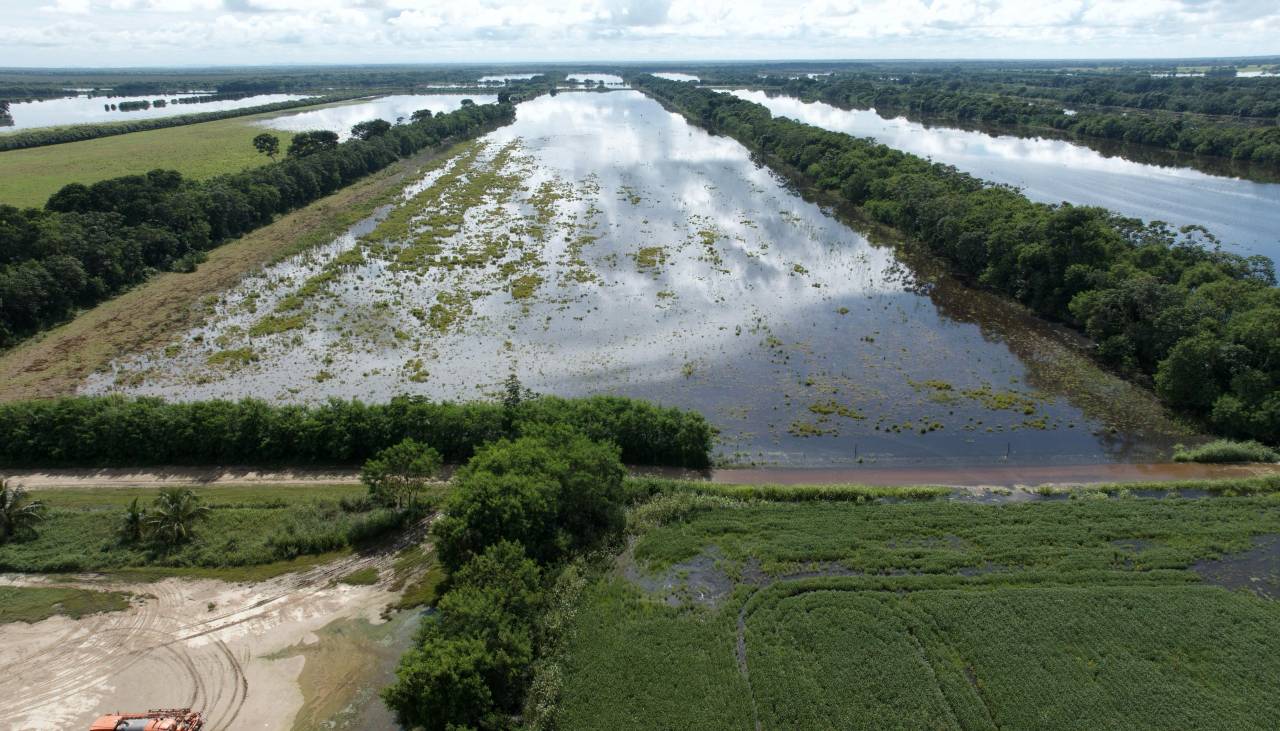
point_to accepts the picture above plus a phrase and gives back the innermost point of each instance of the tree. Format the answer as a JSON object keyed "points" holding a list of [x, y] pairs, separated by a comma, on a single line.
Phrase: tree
{"points": [[134, 524], [174, 515], [18, 513], [268, 144], [372, 128], [553, 491], [398, 474], [420, 116], [309, 143]]}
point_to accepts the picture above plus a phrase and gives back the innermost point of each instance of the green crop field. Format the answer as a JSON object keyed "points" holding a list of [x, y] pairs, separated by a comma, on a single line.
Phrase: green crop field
{"points": [[28, 177], [1090, 613]]}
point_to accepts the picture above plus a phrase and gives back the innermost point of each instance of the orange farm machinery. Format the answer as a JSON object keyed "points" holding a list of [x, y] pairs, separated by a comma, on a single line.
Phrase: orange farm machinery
{"points": [[166, 719]]}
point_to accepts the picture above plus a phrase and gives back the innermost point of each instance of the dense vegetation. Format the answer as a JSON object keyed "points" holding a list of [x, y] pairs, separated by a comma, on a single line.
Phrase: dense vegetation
{"points": [[518, 511], [91, 242], [1201, 324], [1067, 614], [147, 431], [74, 133], [966, 98], [1226, 450]]}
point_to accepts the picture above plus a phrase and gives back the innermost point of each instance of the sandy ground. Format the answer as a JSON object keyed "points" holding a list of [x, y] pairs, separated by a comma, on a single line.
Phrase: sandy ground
{"points": [[200, 643]]}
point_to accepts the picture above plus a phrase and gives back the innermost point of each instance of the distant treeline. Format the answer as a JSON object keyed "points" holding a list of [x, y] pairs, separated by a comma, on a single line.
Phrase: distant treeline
{"points": [[91, 242], [1202, 324], [78, 132], [965, 100], [107, 431]]}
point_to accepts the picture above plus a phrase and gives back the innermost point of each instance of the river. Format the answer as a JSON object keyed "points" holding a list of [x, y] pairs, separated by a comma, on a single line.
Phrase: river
{"points": [[1244, 214]]}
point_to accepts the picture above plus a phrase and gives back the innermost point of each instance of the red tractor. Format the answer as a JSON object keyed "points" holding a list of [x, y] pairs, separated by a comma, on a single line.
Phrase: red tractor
{"points": [[165, 719]]}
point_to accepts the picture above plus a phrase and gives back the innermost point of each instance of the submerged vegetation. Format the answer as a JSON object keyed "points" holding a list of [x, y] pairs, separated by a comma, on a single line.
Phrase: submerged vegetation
{"points": [[1197, 322], [91, 242]]}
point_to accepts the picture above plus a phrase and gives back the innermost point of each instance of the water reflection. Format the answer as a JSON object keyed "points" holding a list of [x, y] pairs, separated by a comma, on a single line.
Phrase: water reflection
{"points": [[1244, 214], [342, 117], [702, 282], [84, 109], [606, 79]]}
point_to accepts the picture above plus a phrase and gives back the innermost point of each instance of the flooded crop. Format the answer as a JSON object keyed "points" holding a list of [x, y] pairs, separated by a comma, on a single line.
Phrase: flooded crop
{"points": [[83, 109], [602, 245]]}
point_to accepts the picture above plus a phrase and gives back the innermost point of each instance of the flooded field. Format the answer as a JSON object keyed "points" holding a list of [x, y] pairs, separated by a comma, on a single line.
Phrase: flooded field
{"points": [[341, 118], [603, 245], [83, 109], [1244, 214]]}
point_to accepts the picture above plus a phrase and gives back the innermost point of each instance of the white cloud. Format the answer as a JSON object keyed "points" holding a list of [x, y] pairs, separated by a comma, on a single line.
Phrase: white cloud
{"points": [[262, 31]]}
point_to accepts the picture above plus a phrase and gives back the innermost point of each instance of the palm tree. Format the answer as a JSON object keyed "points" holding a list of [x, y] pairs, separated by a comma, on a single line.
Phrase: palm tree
{"points": [[135, 521], [18, 513], [175, 513]]}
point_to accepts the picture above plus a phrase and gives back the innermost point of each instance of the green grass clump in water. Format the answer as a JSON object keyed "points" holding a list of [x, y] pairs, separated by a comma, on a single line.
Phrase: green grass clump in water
{"points": [[32, 604], [1226, 450], [935, 614]]}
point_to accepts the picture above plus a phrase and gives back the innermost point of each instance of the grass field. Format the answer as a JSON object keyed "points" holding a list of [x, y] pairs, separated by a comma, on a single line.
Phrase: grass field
{"points": [[32, 604], [28, 177], [280, 528], [1086, 613]]}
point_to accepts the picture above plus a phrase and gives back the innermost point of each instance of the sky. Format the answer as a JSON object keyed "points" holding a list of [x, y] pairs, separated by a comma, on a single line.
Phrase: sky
{"points": [[252, 32]]}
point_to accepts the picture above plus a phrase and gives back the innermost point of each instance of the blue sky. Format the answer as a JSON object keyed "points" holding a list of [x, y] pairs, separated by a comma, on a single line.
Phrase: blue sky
{"points": [[233, 32]]}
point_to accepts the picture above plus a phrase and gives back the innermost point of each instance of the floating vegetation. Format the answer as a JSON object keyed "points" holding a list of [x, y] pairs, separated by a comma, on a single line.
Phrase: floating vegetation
{"points": [[233, 357]]}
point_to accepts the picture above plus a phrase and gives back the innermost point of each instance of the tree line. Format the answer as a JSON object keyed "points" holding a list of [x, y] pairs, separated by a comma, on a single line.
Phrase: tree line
{"points": [[965, 101], [1170, 308], [90, 242], [42, 136], [113, 430]]}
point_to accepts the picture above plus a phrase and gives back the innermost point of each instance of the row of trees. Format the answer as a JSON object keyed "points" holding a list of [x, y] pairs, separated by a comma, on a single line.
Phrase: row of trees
{"points": [[91, 242], [93, 431], [77, 132], [973, 102], [518, 510], [1167, 307]]}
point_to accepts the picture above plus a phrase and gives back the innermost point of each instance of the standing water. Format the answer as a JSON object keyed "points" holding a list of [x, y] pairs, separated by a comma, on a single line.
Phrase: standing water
{"points": [[1244, 214], [600, 244]]}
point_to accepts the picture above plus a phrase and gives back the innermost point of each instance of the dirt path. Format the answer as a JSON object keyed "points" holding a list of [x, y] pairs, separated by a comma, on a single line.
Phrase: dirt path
{"points": [[200, 643], [973, 478]]}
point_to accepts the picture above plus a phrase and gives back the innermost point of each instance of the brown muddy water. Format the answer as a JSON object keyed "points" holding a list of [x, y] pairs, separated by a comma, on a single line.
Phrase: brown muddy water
{"points": [[601, 244]]}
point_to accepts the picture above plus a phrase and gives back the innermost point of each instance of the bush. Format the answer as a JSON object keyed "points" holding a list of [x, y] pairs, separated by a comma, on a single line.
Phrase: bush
{"points": [[398, 474], [554, 492], [1226, 450]]}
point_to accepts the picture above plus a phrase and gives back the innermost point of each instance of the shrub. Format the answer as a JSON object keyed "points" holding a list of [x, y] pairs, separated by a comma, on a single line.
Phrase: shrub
{"points": [[18, 513], [1226, 450]]}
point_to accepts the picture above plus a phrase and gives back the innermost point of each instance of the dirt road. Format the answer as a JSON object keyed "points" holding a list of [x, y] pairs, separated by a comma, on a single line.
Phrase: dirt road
{"points": [[229, 649]]}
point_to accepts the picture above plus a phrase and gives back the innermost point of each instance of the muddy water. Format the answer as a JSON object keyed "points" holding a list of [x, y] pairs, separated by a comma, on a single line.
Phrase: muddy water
{"points": [[602, 245], [1244, 214]]}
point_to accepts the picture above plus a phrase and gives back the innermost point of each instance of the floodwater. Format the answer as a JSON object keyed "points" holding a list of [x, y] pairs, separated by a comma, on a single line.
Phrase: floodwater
{"points": [[1244, 214], [600, 244], [84, 109], [342, 117], [506, 77], [606, 79], [675, 76]]}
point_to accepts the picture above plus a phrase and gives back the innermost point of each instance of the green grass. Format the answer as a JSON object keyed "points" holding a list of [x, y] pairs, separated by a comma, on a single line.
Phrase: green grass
{"points": [[1063, 614], [32, 604], [28, 177], [1226, 450], [362, 577], [251, 530]]}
